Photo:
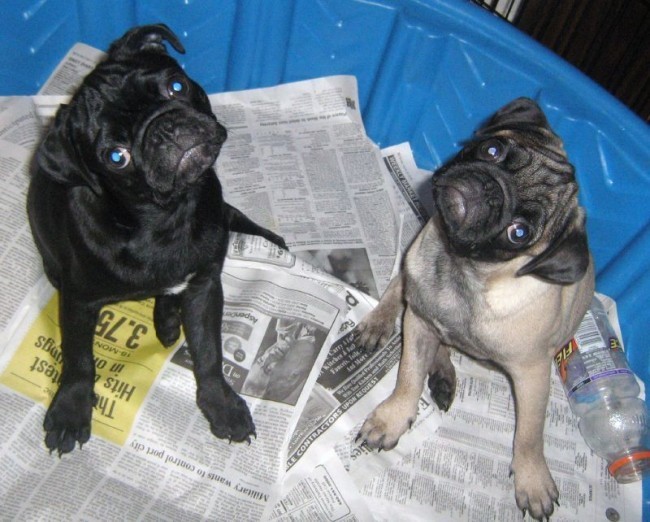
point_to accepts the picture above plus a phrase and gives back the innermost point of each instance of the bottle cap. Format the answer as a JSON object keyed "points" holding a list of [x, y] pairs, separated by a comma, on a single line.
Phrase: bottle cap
{"points": [[631, 467]]}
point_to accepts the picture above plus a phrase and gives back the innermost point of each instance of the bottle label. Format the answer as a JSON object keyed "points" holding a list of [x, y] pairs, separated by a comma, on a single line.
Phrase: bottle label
{"points": [[595, 353]]}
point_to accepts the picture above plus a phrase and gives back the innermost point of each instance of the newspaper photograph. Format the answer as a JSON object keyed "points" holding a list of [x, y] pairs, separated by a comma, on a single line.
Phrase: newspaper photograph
{"points": [[297, 160]]}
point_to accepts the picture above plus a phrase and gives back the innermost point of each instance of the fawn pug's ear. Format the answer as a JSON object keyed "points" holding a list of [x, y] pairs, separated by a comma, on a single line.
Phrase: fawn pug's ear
{"points": [[522, 111]]}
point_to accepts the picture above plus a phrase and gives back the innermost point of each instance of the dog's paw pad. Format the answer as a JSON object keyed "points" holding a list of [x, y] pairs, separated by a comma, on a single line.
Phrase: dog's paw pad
{"points": [[229, 417], [239, 424], [68, 418], [279, 242], [385, 425], [371, 334], [64, 440], [535, 491]]}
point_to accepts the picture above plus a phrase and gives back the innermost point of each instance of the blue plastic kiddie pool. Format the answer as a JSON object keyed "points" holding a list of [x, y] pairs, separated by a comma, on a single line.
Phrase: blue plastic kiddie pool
{"points": [[429, 71]]}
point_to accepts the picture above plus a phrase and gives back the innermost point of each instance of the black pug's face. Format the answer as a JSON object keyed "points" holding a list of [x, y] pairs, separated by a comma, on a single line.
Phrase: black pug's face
{"points": [[511, 191], [138, 127]]}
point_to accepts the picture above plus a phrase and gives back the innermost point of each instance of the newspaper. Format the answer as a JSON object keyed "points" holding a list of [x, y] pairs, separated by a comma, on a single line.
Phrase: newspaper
{"points": [[146, 417], [298, 160]]}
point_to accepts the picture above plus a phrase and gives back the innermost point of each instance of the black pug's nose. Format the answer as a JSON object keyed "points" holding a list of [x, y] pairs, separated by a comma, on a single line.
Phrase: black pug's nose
{"points": [[178, 146], [185, 131], [162, 132]]}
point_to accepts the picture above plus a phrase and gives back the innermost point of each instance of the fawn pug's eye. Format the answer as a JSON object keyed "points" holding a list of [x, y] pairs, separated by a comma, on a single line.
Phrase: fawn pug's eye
{"points": [[518, 233], [492, 150]]}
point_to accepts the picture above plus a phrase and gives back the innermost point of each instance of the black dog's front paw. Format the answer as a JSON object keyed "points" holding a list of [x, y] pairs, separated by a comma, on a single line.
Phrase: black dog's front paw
{"points": [[227, 413], [68, 418], [277, 240]]}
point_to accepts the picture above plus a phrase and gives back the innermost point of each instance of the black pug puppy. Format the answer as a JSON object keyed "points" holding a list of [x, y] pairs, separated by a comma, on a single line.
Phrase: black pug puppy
{"points": [[124, 204]]}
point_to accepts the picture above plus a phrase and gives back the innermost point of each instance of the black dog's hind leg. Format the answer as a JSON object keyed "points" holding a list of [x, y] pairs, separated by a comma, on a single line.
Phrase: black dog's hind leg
{"points": [[68, 418], [240, 222], [202, 310], [167, 318]]}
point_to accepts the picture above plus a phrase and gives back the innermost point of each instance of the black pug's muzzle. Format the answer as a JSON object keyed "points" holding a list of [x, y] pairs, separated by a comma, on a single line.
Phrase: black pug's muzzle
{"points": [[175, 146]]}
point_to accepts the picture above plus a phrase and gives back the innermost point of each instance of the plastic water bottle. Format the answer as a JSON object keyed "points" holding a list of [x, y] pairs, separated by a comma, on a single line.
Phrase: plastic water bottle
{"points": [[604, 394]]}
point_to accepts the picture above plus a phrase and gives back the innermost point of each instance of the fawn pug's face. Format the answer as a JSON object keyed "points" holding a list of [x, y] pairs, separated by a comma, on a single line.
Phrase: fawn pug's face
{"points": [[510, 192]]}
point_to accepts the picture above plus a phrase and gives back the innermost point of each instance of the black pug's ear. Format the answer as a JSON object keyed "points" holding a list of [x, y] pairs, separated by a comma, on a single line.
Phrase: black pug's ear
{"points": [[57, 157], [566, 260], [522, 112], [145, 38]]}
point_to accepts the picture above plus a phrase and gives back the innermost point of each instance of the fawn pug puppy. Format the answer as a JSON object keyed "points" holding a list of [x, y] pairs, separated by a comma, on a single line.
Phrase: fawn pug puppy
{"points": [[502, 272]]}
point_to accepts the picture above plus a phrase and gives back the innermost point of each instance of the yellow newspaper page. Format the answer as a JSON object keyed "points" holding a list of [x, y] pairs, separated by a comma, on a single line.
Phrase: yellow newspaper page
{"points": [[128, 359]]}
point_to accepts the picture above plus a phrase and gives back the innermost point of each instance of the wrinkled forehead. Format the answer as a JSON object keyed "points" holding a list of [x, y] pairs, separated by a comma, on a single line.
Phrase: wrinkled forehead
{"points": [[534, 138], [540, 139], [134, 79], [526, 151], [115, 93]]}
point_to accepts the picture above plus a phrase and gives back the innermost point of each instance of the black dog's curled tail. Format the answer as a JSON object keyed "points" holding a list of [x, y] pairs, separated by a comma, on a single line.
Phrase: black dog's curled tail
{"points": [[145, 38]]}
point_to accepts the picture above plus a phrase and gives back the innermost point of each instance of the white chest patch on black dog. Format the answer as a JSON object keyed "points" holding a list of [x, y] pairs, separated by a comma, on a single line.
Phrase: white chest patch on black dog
{"points": [[180, 287]]}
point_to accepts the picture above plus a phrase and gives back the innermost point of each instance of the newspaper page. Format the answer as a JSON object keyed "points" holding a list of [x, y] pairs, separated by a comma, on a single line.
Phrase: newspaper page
{"points": [[297, 159], [74, 66], [328, 493], [20, 265], [353, 381], [152, 454]]}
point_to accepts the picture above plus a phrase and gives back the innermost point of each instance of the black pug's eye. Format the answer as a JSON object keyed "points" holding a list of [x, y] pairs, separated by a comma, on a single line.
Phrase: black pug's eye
{"points": [[177, 86], [492, 150], [119, 157], [518, 233]]}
